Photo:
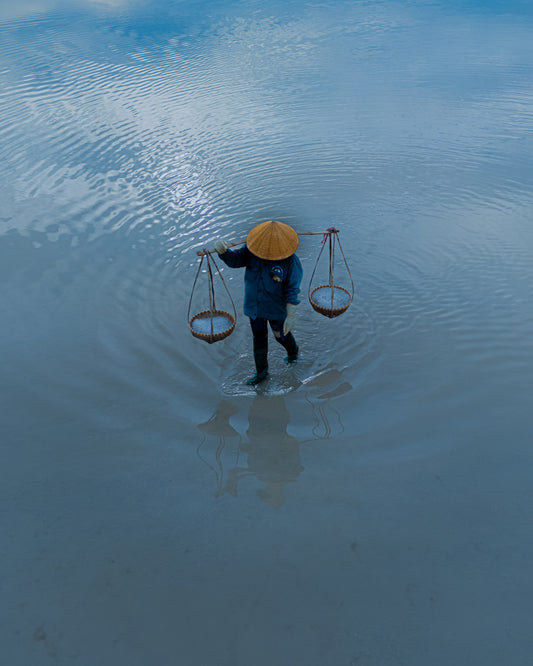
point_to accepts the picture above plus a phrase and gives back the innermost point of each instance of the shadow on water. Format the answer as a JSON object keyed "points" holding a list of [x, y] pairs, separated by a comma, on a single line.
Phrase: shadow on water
{"points": [[267, 452], [329, 384], [219, 428], [272, 455]]}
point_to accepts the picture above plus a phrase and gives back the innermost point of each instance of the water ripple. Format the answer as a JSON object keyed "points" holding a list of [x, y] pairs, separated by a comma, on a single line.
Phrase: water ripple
{"points": [[130, 159]]}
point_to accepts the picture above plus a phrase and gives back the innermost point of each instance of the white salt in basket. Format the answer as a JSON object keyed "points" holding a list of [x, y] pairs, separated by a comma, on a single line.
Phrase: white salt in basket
{"points": [[212, 325], [330, 301]]}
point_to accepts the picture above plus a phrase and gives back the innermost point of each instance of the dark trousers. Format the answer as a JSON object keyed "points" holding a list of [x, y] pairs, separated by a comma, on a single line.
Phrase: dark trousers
{"points": [[260, 333]]}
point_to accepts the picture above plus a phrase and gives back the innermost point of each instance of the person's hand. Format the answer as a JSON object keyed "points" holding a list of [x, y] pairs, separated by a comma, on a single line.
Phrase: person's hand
{"points": [[290, 319], [221, 246]]}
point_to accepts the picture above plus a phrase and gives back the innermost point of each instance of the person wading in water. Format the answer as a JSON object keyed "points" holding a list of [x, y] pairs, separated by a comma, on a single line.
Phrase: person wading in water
{"points": [[271, 287]]}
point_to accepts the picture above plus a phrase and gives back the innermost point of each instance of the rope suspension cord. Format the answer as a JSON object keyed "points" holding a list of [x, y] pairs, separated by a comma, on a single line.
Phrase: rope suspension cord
{"points": [[327, 235], [194, 286], [347, 266], [211, 291], [332, 307], [331, 264], [225, 287], [211, 287]]}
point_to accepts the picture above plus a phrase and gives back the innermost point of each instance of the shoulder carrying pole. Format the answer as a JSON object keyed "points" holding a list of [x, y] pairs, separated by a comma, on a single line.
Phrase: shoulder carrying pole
{"points": [[202, 253]]}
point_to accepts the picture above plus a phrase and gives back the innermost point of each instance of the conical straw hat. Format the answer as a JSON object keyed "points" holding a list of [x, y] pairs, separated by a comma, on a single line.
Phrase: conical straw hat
{"points": [[272, 240]]}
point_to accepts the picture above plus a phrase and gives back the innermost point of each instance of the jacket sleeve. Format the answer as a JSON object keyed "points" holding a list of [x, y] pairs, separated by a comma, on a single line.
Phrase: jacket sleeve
{"points": [[235, 258], [294, 278]]}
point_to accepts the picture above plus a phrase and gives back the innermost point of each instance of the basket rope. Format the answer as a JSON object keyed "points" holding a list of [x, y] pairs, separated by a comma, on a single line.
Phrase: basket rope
{"points": [[225, 287], [347, 266], [331, 236], [331, 265], [211, 287]]}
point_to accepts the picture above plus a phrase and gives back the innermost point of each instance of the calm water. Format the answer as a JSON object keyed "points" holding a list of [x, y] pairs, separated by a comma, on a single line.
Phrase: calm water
{"points": [[370, 506]]}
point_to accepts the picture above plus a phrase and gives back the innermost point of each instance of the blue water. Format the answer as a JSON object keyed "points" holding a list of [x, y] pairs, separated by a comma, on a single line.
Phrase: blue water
{"points": [[370, 505]]}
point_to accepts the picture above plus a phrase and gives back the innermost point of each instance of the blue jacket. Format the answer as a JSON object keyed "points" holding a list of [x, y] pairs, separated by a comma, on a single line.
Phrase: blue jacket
{"points": [[268, 285]]}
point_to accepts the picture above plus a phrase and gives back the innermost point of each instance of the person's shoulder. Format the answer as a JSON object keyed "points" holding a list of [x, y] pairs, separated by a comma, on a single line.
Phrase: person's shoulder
{"points": [[291, 258], [243, 251], [295, 259]]}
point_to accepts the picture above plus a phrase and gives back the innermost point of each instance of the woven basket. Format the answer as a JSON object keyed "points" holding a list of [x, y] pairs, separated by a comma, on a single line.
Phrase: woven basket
{"points": [[330, 312], [215, 337]]}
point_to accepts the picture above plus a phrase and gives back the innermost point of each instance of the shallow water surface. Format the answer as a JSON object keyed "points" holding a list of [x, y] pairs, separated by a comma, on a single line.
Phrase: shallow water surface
{"points": [[369, 505]]}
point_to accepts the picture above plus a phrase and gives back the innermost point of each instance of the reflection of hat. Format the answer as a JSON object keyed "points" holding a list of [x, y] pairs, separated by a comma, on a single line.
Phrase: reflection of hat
{"points": [[272, 240]]}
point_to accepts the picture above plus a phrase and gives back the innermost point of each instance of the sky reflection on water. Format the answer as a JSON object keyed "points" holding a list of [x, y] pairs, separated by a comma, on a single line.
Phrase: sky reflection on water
{"points": [[362, 507]]}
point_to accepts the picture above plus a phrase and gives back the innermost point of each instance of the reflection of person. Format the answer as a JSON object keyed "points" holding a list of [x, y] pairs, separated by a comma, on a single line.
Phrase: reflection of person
{"points": [[273, 455], [218, 426], [272, 284]]}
